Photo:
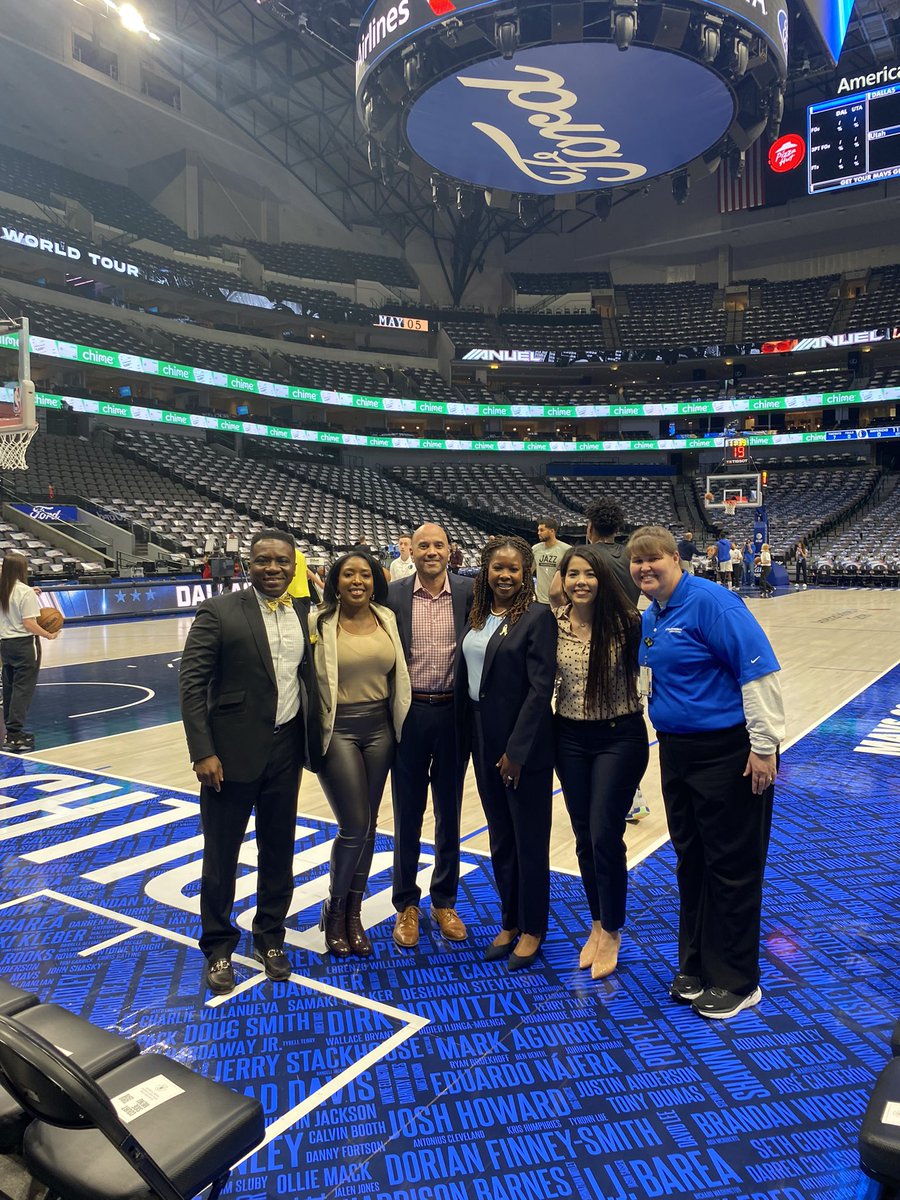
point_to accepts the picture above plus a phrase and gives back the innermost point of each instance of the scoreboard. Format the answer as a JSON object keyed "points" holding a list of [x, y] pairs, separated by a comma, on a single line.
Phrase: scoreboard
{"points": [[854, 140], [736, 451]]}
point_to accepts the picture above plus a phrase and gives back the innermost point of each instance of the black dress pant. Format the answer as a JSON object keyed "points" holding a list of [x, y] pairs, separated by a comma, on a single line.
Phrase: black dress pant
{"points": [[427, 754], [801, 572], [224, 816], [600, 764], [21, 663], [353, 774], [519, 834], [764, 586], [720, 832]]}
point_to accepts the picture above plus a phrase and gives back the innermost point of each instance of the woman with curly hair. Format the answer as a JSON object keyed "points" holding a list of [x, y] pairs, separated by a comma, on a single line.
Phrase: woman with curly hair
{"points": [[504, 686]]}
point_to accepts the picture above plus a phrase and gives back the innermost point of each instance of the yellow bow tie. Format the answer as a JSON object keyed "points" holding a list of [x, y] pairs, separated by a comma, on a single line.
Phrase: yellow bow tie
{"points": [[285, 601]]}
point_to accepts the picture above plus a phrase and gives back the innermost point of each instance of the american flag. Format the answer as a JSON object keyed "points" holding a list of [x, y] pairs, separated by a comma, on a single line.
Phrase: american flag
{"points": [[747, 192]]}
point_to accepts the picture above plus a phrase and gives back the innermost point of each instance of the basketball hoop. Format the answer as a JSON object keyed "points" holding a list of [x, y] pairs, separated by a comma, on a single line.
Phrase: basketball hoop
{"points": [[13, 445], [730, 506]]}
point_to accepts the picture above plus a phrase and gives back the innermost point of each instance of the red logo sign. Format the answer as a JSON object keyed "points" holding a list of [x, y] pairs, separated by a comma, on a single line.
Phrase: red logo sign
{"points": [[787, 153], [441, 7]]}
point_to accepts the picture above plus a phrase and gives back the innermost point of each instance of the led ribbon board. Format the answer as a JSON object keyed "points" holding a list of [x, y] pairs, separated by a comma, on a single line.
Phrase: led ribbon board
{"points": [[136, 365], [136, 412]]}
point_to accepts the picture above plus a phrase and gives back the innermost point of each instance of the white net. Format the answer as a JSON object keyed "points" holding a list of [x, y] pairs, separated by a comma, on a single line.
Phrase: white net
{"points": [[13, 445], [730, 506]]}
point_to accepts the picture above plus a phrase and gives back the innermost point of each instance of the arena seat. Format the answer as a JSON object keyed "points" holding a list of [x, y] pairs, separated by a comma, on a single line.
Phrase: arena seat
{"points": [[14, 1000], [879, 1136]]}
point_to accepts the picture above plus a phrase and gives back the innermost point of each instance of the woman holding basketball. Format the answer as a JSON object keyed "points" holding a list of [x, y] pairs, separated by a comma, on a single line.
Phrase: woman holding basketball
{"points": [[19, 655]]}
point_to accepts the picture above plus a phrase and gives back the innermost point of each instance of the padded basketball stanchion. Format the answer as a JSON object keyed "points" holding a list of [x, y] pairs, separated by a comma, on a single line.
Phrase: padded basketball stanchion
{"points": [[879, 1137]]}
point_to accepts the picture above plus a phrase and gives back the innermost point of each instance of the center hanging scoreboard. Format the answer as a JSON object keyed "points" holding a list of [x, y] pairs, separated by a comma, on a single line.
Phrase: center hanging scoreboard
{"points": [[854, 140]]}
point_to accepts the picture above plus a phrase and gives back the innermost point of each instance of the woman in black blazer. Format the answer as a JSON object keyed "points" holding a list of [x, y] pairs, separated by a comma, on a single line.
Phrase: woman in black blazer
{"points": [[504, 685]]}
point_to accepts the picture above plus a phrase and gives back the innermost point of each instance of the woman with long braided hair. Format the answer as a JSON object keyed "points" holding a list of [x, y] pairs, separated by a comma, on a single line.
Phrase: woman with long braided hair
{"points": [[504, 685]]}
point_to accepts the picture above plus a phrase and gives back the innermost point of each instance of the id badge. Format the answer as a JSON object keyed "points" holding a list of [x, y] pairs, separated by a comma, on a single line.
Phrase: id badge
{"points": [[645, 681]]}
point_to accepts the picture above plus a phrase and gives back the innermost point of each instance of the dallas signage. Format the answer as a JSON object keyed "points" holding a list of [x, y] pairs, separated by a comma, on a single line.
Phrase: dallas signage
{"points": [[536, 124]]}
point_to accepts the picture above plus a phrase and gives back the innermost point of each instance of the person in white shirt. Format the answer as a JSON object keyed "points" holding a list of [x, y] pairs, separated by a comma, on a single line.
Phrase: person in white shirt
{"points": [[19, 611], [404, 565]]}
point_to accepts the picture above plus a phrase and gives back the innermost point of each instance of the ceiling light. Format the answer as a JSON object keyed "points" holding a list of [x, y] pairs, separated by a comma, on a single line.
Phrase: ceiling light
{"points": [[132, 19]]}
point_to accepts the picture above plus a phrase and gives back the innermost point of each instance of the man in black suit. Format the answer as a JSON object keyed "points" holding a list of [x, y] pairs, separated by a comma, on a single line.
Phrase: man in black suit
{"points": [[431, 608], [249, 704]]}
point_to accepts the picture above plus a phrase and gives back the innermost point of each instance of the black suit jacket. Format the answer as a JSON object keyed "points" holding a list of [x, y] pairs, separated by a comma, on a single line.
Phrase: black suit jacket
{"points": [[228, 691], [400, 603], [516, 689]]}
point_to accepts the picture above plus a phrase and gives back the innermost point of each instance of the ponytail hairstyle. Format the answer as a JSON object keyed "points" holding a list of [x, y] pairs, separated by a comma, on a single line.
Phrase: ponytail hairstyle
{"points": [[13, 571], [482, 596]]}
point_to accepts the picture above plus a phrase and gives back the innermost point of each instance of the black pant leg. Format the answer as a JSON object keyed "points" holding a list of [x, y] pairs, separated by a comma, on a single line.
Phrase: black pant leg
{"points": [[530, 808], [679, 800], [501, 831], [409, 793], [353, 775], [20, 676], [732, 828], [224, 816], [448, 769], [622, 753], [574, 767], [276, 832]]}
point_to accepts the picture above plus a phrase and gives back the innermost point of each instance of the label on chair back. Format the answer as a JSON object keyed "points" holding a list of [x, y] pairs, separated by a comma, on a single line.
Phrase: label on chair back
{"points": [[891, 1114], [134, 1103]]}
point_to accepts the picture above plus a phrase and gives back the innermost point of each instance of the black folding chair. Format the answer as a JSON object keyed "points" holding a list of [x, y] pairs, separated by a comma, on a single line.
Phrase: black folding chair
{"points": [[83, 1147]]}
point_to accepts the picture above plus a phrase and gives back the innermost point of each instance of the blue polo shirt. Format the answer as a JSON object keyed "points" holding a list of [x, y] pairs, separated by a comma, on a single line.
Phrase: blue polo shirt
{"points": [[701, 648]]}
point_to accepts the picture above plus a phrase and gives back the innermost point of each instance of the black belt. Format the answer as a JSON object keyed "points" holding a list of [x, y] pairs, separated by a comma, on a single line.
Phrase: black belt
{"points": [[432, 697], [287, 724]]}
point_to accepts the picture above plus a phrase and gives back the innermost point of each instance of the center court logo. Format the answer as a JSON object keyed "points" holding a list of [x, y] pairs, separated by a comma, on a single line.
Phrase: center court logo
{"points": [[577, 150]]}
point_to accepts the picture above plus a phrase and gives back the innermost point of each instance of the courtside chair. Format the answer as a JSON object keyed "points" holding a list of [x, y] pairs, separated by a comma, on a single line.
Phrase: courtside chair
{"points": [[79, 1146], [14, 1000], [879, 1136], [95, 1050]]}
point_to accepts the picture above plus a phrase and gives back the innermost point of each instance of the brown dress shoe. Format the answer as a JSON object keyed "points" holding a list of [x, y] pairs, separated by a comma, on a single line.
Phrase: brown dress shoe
{"points": [[406, 927], [450, 924]]}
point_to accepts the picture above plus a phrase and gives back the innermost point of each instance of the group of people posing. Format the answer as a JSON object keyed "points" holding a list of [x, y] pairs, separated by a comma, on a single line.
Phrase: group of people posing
{"points": [[415, 677]]}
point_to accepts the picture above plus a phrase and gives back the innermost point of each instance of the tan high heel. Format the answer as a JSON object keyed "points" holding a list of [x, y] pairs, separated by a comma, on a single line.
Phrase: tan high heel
{"points": [[606, 958]]}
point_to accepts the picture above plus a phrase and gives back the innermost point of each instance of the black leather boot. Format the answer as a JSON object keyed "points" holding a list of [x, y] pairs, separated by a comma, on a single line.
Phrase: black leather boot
{"points": [[356, 935], [333, 920]]}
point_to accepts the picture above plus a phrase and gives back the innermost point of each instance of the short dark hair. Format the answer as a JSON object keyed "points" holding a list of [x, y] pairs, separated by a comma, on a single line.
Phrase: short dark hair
{"points": [[605, 515], [550, 522], [273, 535]]}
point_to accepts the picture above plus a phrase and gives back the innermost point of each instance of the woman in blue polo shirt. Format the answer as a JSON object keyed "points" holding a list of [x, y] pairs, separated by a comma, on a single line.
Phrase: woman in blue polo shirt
{"points": [[715, 702]]}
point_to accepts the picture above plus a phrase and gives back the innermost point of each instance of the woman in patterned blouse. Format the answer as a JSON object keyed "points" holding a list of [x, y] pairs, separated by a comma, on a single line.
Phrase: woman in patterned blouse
{"points": [[601, 739]]}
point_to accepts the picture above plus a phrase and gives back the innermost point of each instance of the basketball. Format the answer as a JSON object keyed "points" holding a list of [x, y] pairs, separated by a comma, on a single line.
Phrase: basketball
{"points": [[51, 619]]}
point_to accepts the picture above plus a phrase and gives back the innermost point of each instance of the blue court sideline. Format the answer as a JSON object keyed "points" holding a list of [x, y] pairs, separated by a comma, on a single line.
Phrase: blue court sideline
{"points": [[430, 1075]]}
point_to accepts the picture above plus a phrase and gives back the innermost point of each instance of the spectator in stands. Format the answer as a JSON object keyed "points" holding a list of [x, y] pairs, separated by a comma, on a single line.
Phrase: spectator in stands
{"points": [[688, 550], [601, 739], [801, 577], [431, 608], [715, 703], [249, 704], [765, 567], [548, 552], [504, 685], [456, 558], [723, 557], [19, 652], [737, 567], [365, 696], [403, 564]]}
